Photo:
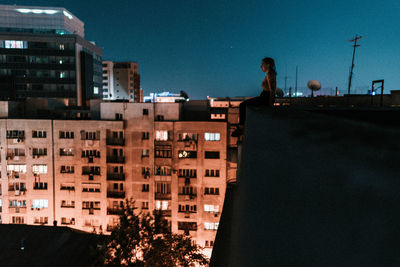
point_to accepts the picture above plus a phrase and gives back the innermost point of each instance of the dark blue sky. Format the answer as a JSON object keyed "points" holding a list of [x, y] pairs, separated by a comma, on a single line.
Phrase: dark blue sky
{"points": [[214, 47]]}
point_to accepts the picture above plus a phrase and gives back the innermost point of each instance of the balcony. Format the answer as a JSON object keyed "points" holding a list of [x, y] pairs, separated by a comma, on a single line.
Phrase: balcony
{"points": [[91, 211], [112, 211], [115, 194], [162, 196], [115, 176], [13, 157], [90, 172], [165, 213], [17, 209], [115, 141], [186, 197], [69, 206], [115, 159]]}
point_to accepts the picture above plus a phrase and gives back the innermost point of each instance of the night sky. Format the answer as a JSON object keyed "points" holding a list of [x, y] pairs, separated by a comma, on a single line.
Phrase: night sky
{"points": [[214, 47]]}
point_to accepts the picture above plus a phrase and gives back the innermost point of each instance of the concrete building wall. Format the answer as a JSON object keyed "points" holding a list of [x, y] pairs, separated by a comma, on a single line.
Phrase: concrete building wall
{"points": [[92, 166]]}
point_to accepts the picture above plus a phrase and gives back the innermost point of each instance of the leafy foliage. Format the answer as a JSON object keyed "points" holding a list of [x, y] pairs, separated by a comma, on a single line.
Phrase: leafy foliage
{"points": [[141, 239]]}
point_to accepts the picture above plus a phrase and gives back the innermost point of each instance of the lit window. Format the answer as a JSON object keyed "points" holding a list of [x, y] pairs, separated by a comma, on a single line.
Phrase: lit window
{"points": [[210, 226], [212, 136], [96, 90], [161, 205], [211, 208], [161, 135], [15, 44], [39, 168], [40, 203]]}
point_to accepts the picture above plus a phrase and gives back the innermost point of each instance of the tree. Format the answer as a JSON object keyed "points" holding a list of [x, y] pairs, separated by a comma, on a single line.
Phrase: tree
{"points": [[141, 239]]}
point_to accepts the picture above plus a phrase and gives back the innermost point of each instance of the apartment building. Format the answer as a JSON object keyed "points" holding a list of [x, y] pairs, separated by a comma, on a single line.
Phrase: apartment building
{"points": [[77, 173], [121, 80]]}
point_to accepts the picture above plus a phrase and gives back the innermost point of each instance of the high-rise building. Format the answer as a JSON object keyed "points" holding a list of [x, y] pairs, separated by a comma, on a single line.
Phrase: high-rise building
{"points": [[121, 80], [43, 53], [77, 173]]}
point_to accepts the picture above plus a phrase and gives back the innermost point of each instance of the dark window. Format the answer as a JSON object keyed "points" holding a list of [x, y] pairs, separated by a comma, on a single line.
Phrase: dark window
{"points": [[145, 111], [212, 154]]}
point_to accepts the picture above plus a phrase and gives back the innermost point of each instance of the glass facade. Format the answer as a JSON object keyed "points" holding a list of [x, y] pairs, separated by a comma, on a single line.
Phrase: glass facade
{"points": [[42, 69]]}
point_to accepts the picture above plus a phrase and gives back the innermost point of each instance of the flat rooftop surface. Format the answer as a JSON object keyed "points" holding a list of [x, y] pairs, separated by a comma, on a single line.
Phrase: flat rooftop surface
{"points": [[315, 189]]}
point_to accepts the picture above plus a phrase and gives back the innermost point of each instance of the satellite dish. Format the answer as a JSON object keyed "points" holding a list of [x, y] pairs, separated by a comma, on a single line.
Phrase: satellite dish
{"points": [[314, 85], [279, 92]]}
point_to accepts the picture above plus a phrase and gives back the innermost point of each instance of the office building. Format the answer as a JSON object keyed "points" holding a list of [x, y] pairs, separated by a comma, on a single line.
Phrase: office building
{"points": [[43, 53]]}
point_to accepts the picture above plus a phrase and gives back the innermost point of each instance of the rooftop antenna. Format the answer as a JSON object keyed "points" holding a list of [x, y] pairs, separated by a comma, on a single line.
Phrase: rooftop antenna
{"points": [[295, 88], [356, 38]]}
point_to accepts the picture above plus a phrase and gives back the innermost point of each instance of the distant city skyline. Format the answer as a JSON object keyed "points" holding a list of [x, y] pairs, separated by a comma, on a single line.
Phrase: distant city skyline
{"points": [[214, 48]]}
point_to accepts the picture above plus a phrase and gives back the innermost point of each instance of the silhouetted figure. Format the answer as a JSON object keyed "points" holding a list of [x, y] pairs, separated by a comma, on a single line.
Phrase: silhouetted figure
{"points": [[267, 95]]}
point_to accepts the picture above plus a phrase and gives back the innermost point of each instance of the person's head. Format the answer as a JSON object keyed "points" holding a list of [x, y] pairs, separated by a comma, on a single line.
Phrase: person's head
{"points": [[268, 64]]}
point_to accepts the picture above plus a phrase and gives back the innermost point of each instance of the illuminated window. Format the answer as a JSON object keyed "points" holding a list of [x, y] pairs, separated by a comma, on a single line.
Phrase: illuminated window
{"points": [[66, 151], [211, 208], [39, 168], [96, 90], [161, 205], [187, 136], [161, 135], [40, 203], [212, 136], [187, 154], [21, 168], [15, 44], [210, 226], [145, 153]]}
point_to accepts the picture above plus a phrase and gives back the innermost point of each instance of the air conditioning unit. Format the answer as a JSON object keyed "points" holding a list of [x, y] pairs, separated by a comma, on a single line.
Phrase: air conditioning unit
{"points": [[16, 158], [8, 157], [216, 214], [89, 142], [9, 174], [16, 192], [187, 197], [35, 156], [16, 141]]}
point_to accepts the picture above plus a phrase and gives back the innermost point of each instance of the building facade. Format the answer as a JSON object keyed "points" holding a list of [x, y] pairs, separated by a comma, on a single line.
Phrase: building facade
{"points": [[77, 173], [43, 53], [121, 81]]}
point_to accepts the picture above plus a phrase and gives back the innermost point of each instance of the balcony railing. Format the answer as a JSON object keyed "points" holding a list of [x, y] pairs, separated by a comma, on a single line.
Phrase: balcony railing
{"points": [[115, 194], [115, 141], [90, 172], [112, 211], [115, 159], [162, 196], [116, 176]]}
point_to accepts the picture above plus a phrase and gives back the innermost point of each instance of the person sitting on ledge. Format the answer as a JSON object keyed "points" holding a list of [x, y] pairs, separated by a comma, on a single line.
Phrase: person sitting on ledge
{"points": [[267, 95]]}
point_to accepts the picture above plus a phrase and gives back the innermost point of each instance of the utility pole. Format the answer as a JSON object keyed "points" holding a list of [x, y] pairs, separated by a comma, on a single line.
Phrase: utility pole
{"points": [[356, 38]]}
